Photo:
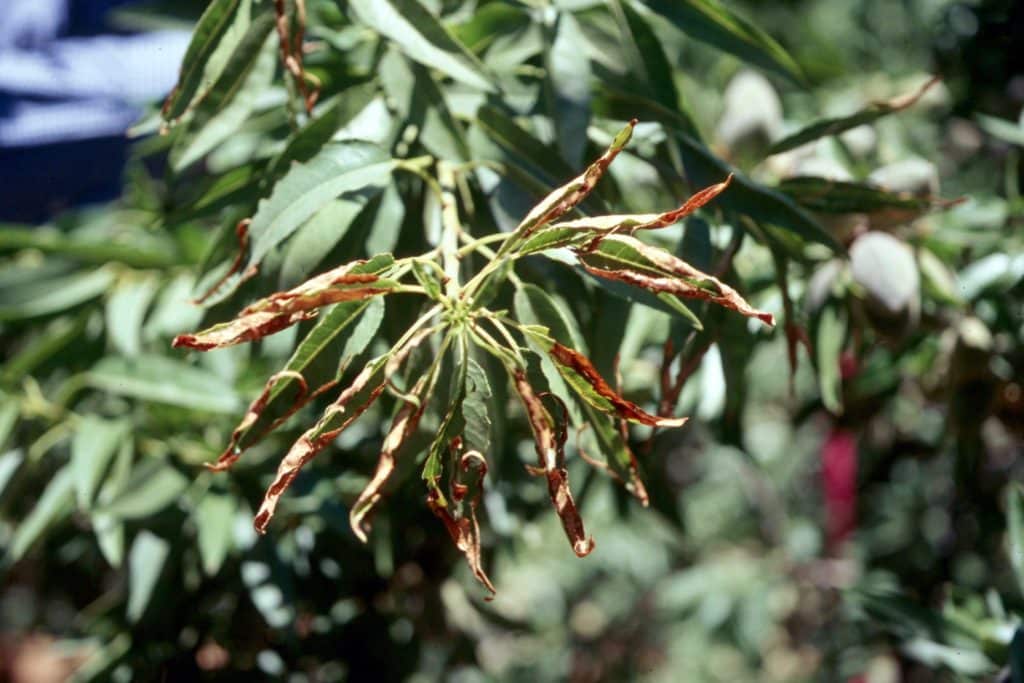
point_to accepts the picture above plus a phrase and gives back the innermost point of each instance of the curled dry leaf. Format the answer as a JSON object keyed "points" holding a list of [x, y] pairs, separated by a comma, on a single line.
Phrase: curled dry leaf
{"points": [[565, 198], [550, 446], [242, 235], [290, 39], [404, 424], [629, 260], [350, 282], [350, 404], [459, 517], [583, 377]]}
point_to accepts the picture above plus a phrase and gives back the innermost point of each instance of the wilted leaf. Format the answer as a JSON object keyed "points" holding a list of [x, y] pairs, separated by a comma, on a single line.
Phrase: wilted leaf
{"points": [[145, 563], [595, 228], [318, 361], [402, 426], [835, 126], [355, 281], [629, 260], [459, 516], [584, 379], [549, 441], [350, 404]]}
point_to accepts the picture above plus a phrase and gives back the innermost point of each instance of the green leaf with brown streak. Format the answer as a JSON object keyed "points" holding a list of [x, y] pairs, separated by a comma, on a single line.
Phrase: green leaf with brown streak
{"points": [[339, 415], [627, 259], [549, 442], [315, 366], [582, 376], [578, 231], [355, 281]]}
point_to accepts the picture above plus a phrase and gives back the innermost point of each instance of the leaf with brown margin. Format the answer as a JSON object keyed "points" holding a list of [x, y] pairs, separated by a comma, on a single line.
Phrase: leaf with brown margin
{"points": [[629, 260], [585, 380], [596, 228], [566, 197], [460, 517], [246, 328], [404, 424], [358, 396], [550, 447], [336, 334], [353, 281]]}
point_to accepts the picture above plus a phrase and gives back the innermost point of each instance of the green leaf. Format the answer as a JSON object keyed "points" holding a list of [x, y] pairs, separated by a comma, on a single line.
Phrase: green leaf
{"points": [[319, 235], [835, 126], [129, 250], [126, 310], [53, 295], [206, 36], [1007, 131], [339, 336], [710, 22], [1015, 531], [109, 530], [523, 146], [568, 74], [53, 339], [53, 506], [95, 442], [103, 660], [475, 413], [306, 188], [883, 207], [9, 464], [828, 346], [163, 380], [215, 518], [422, 38], [246, 76], [330, 117], [146, 561], [152, 486], [649, 63]]}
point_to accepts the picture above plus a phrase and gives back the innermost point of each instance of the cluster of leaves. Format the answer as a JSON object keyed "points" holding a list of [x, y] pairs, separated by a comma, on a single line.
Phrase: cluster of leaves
{"points": [[353, 177]]}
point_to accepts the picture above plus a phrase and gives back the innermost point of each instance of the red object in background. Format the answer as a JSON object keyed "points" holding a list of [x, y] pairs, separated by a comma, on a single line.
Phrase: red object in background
{"points": [[839, 485]]}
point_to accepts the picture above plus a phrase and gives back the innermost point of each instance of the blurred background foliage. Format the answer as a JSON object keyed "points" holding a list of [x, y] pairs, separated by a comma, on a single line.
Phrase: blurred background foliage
{"points": [[854, 520]]}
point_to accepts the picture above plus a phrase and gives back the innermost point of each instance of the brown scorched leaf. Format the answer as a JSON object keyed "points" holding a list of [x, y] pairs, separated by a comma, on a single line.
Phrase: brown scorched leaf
{"points": [[593, 229], [565, 198], [403, 425], [350, 404], [353, 281], [459, 517], [550, 446], [577, 370], [629, 260]]}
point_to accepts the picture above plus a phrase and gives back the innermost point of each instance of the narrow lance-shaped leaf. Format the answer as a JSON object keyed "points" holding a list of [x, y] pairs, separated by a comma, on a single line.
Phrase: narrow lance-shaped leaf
{"points": [[596, 228], [402, 426], [565, 198], [585, 380], [306, 188], [1015, 531], [339, 336], [710, 22], [550, 446], [420, 36], [884, 208], [205, 39], [835, 126], [353, 281], [629, 260], [462, 525], [350, 404]]}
